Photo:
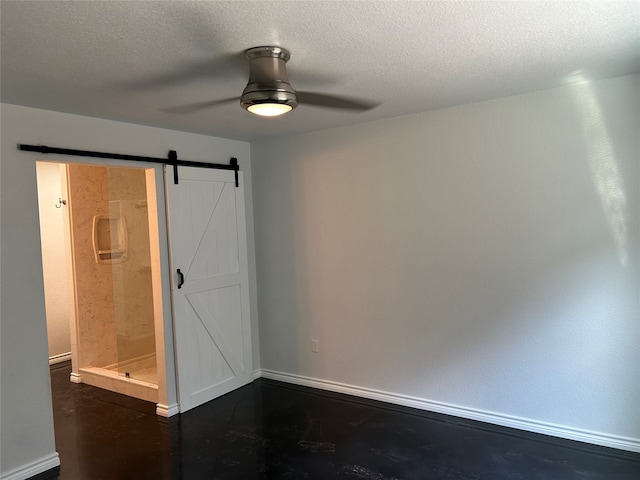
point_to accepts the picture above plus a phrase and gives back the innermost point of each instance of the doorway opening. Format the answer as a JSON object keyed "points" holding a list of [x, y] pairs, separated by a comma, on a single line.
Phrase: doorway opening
{"points": [[101, 266]]}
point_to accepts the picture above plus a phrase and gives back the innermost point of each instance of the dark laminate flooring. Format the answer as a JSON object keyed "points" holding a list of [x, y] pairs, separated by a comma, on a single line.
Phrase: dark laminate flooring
{"points": [[271, 430]]}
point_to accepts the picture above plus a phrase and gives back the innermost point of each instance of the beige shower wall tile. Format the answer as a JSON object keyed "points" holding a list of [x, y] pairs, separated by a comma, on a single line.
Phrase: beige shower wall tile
{"points": [[114, 301]]}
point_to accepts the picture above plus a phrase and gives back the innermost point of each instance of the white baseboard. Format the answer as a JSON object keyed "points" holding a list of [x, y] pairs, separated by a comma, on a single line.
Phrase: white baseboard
{"points": [[167, 410], [75, 378], [257, 374], [63, 357], [561, 431], [33, 468]]}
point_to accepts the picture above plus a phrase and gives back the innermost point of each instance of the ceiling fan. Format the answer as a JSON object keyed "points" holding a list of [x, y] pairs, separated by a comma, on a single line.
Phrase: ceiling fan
{"points": [[269, 93]]}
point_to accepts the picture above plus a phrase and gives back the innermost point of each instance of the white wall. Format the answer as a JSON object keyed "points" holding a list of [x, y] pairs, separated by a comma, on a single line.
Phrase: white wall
{"points": [[481, 260], [27, 443], [54, 225]]}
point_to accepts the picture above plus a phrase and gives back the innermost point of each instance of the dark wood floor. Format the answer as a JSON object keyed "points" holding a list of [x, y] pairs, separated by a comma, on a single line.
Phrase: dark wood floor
{"points": [[271, 430]]}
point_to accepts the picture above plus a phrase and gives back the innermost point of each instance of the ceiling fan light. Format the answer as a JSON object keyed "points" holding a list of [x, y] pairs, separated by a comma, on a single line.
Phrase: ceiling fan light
{"points": [[268, 103], [269, 109]]}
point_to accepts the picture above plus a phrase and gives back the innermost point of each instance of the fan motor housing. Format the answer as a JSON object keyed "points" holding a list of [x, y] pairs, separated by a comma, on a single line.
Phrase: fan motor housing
{"points": [[268, 80]]}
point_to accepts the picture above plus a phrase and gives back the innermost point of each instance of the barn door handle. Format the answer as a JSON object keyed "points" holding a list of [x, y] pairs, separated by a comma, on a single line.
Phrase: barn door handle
{"points": [[181, 282]]}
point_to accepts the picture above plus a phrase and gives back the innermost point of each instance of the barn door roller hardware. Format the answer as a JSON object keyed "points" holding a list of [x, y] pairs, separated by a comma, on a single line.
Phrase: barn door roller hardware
{"points": [[171, 160]]}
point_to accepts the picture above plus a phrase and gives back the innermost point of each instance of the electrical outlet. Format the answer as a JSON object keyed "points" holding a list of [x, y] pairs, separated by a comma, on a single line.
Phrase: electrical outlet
{"points": [[314, 346]]}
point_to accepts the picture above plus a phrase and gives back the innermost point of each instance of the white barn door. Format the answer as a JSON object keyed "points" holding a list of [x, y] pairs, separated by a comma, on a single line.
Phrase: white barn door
{"points": [[207, 232]]}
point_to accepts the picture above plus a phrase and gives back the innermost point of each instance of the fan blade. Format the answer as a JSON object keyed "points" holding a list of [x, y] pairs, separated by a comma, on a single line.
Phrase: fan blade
{"points": [[225, 67], [193, 107], [333, 101]]}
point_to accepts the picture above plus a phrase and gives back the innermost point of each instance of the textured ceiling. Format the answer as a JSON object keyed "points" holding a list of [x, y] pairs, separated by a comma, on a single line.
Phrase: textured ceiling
{"points": [[132, 60]]}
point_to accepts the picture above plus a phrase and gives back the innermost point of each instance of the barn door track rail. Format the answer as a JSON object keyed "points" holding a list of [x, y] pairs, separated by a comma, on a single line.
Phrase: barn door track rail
{"points": [[172, 158]]}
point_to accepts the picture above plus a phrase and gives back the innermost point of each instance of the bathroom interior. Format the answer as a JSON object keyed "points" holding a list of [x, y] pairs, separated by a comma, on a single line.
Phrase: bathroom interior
{"points": [[99, 233]]}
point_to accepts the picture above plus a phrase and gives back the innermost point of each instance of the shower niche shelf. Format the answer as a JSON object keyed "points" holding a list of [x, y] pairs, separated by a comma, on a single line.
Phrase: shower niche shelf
{"points": [[109, 239]]}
